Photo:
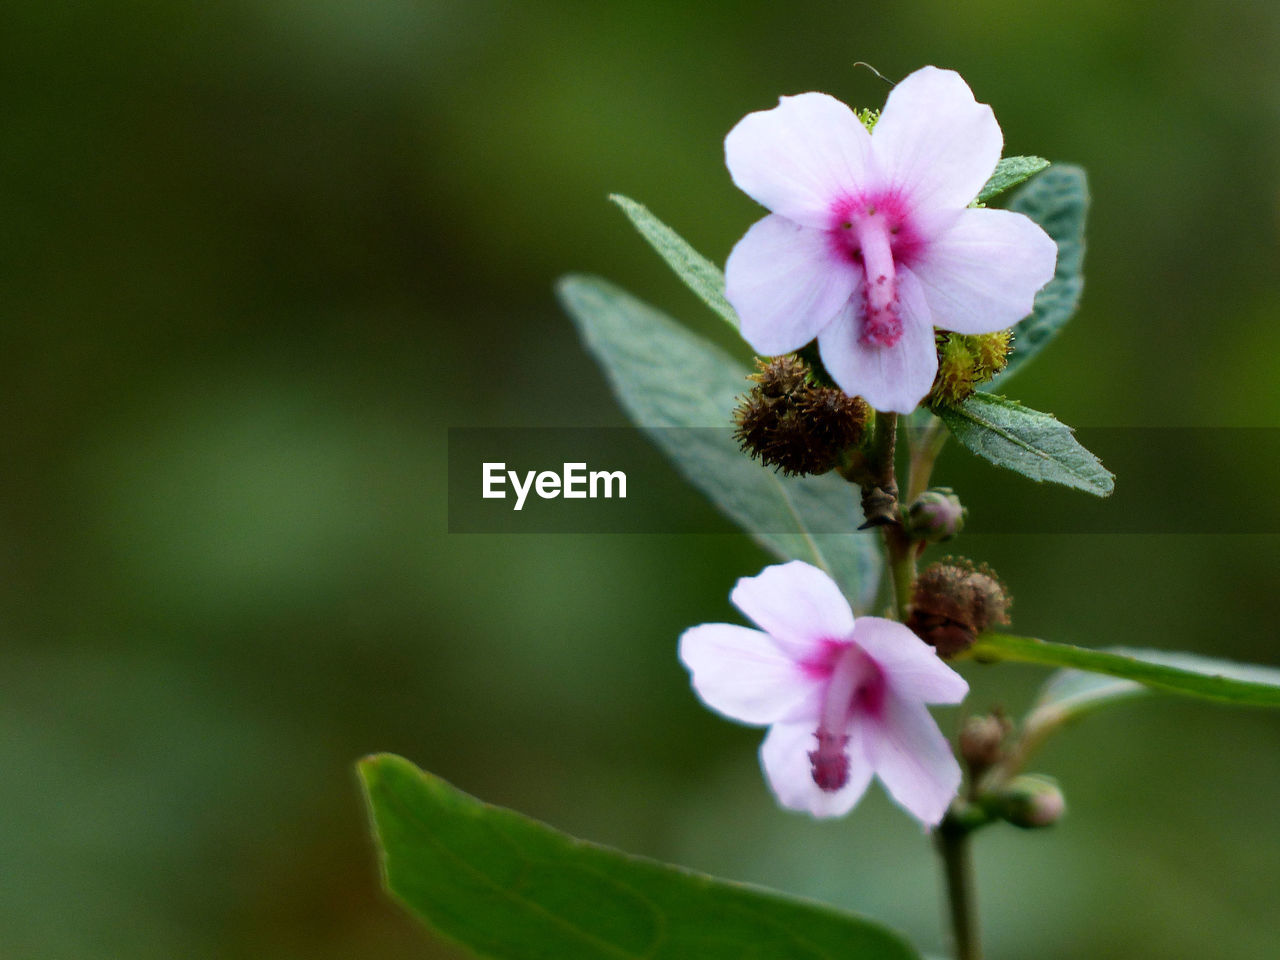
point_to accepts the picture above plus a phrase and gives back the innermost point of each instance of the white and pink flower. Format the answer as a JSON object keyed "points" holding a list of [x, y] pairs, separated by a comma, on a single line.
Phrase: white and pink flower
{"points": [[870, 243], [844, 698]]}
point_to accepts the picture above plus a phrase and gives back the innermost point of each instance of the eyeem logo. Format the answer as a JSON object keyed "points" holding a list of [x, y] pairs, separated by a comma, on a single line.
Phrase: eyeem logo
{"points": [[573, 482]]}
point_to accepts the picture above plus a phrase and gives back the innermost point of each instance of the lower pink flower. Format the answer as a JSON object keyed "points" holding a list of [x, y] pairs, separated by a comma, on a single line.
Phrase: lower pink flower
{"points": [[844, 699]]}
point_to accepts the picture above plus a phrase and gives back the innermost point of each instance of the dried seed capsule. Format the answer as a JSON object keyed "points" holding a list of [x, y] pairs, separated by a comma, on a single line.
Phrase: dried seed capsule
{"points": [[954, 601], [795, 425]]}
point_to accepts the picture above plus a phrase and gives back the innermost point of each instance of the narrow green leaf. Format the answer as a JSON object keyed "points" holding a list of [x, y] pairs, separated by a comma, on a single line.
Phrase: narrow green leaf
{"points": [[1058, 200], [698, 273], [511, 888], [1010, 172], [1026, 441], [1068, 694], [666, 377], [1184, 673]]}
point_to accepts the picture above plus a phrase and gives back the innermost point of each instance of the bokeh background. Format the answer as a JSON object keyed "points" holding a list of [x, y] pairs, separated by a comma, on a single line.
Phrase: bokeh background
{"points": [[257, 257]]}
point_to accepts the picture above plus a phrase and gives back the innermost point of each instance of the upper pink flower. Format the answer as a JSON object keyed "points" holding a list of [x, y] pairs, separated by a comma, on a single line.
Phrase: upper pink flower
{"points": [[843, 698], [871, 243]]}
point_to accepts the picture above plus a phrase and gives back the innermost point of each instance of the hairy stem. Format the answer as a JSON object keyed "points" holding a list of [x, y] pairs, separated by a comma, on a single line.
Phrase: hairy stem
{"points": [[879, 481], [953, 839]]}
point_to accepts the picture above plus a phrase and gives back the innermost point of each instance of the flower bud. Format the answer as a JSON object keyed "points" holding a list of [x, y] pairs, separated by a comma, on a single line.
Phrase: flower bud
{"points": [[936, 515], [954, 601], [1029, 801], [982, 741], [795, 425], [965, 361]]}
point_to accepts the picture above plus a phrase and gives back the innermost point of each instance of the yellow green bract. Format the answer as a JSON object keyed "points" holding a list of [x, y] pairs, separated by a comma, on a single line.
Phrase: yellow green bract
{"points": [[965, 362]]}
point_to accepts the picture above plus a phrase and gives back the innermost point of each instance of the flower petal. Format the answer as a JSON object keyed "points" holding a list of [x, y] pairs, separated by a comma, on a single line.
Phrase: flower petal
{"points": [[784, 755], [796, 604], [912, 758], [801, 157], [982, 274], [787, 283], [889, 378], [934, 142], [911, 667], [742, 673]]}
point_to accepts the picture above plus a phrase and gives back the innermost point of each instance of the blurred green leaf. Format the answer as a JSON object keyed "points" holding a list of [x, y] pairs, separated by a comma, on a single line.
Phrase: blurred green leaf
{"points": [[1068, 694], [1058, 200], [1184, 673], [698, 273], [1010, 172], [514, 889], [1026, 441], [666, 377]]}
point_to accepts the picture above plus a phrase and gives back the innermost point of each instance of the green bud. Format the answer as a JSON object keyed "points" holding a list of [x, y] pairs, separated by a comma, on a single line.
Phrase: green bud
{"points": [[936, 515], [1031, 800]]}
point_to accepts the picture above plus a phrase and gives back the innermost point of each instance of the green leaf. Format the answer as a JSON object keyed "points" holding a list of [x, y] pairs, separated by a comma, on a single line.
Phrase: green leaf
{"points": [[1058, 200], [698, 273], [511, 888], [666, 377], [1027, 441], [1010, 172], [1183, 673], [1068, 694]]}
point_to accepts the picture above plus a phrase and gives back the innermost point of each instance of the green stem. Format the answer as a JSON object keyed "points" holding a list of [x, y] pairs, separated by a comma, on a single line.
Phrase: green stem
{"points": [[879, 481], [924, 453], [901, 555], [954, 846]]}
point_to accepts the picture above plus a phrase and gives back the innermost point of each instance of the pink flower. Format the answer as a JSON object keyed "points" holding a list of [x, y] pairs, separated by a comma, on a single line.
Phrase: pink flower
{"points": [[871, 243], [843, 698]]}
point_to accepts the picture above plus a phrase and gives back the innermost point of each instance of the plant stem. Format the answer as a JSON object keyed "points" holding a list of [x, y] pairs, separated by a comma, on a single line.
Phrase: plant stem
{"points": [[924, 451], [879, 481], [953, 842], [901, 557]]}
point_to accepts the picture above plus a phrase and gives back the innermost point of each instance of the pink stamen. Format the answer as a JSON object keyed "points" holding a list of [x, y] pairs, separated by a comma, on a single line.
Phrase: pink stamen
{"points": [[856, 684], [882, 320]]}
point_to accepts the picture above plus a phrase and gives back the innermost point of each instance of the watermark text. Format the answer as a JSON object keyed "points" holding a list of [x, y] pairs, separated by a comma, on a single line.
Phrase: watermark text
{"points": [[573, 482]]}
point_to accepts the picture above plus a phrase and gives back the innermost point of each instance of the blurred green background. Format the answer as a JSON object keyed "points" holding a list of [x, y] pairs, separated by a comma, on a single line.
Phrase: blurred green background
{"points": [[258, 256]]}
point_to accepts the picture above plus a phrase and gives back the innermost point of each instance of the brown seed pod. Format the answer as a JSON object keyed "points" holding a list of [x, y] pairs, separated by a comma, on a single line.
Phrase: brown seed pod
{"points": [[982, 741], [795, 425], [954, 601]]}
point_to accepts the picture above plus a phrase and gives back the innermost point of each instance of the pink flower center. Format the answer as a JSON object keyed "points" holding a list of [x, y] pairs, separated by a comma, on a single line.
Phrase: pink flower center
{"points": [[875, 233], [855, 685]]}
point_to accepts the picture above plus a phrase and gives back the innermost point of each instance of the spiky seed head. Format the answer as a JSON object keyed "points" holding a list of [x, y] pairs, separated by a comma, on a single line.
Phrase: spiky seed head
{"points": [[795, 425], [955, 600], [965, 362]]}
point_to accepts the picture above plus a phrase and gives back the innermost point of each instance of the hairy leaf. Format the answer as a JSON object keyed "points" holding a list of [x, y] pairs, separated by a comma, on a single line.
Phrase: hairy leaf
{"points": [[666, 377], [511, 888], [698, 273], [1058, 200], [1027, 441], [1010, 172]]}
